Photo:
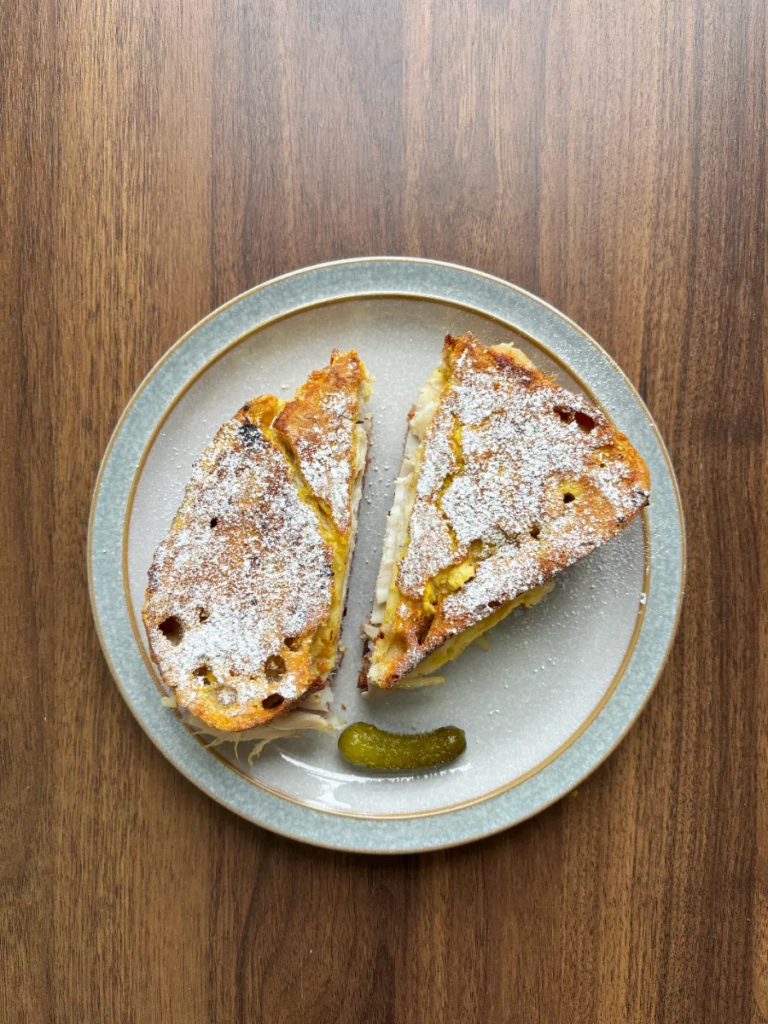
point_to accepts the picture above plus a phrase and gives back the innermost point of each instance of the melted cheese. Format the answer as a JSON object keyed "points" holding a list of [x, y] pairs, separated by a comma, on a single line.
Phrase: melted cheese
{"points": [[325, 640], [405, 493], [453, 647], [446, 582]]}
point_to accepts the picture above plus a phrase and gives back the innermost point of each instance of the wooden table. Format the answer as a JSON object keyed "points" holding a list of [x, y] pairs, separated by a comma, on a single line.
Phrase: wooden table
{"points": [[159, 158]]}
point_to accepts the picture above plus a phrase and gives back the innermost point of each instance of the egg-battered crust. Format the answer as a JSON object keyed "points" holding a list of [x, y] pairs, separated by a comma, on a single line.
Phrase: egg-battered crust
{"points": [[318, 425]]}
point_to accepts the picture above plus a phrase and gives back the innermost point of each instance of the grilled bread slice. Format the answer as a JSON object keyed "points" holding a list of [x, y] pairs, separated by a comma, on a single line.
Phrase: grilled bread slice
{"points": [[245, 599], [507, 479]]}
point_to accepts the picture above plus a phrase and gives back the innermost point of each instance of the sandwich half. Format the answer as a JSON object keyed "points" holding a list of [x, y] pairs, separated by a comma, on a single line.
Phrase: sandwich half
{"points": [[507, 479], [246, 593]]}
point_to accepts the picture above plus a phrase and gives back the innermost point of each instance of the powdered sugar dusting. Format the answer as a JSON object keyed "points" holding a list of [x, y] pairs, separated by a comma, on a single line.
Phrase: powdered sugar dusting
{"points": [[436, 460], [321, 426], [243, 568], [430, 539], [533, 478], [325, 454]]}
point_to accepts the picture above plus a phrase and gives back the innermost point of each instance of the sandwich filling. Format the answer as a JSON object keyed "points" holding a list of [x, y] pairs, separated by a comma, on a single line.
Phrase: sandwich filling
{"points": [[313, 712], [396, 533]]}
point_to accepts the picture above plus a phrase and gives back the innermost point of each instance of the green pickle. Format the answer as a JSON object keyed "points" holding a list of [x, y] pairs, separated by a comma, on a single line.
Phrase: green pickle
{"points": [[362, 743]]}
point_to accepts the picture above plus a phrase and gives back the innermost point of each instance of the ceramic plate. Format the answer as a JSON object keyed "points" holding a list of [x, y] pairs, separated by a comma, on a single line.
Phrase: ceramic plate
{"points": [[560, 684]]}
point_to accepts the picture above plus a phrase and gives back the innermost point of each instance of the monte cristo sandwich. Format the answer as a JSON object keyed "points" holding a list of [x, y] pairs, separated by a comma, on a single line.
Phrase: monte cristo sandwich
{"points": [[507, 479], [246, 592]]}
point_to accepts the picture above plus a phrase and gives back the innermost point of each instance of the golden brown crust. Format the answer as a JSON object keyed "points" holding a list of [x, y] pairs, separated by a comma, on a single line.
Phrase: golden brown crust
{"points": [[319, 427], [517, 478], [245, 577]]}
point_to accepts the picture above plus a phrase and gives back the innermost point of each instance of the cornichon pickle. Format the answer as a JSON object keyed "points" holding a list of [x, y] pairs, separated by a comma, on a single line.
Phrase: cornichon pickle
{"points": [[364, 744]]}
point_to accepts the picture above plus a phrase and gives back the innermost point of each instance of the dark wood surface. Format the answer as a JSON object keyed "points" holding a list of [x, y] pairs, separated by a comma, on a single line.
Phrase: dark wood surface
{"points": [[159, 158]]}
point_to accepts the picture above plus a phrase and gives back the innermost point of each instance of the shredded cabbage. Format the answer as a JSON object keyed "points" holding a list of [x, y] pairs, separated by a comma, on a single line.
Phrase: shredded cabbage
{"points": [[314, 712]]}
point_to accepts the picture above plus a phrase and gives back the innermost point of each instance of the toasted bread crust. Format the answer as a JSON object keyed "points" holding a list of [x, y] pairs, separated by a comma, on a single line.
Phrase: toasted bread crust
{"points": [[517, 475], [319, 426]]}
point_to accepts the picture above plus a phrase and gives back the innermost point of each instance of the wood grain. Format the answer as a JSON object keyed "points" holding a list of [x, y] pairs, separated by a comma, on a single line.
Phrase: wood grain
{"points": [[158, 158]]}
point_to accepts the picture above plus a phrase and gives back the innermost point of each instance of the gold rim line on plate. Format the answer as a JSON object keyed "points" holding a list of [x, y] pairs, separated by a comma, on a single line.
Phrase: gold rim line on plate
{"points": [[363, 296]]}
